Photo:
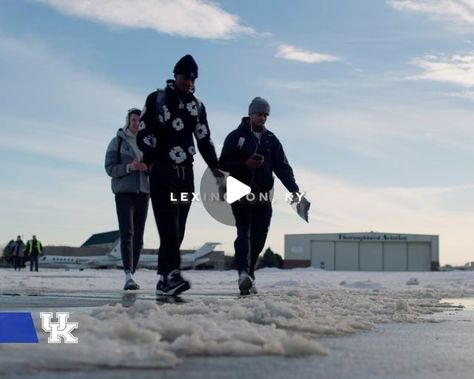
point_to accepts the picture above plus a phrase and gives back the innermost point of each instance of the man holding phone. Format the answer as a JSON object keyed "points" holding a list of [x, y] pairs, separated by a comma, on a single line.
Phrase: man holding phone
{"points": [[251, 154]]}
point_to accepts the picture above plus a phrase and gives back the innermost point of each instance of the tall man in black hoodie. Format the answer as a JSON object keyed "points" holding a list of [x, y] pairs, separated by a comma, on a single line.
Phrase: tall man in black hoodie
{"points": [[251, 154], [169, 119]]}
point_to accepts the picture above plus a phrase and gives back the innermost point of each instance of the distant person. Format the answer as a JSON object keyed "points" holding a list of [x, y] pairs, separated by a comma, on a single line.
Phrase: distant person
{"points": [[34, 249], [251, 154], [124, 164], [170, 118], [18, 253]]}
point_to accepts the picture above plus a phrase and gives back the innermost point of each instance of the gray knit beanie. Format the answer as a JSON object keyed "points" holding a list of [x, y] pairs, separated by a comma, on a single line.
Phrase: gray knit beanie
{"points": [[259, 105]]}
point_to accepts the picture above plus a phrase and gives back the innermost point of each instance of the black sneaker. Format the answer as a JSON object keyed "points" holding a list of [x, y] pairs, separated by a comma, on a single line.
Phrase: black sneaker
{"points": [[131, 284], [173, 285], [161, 287]]}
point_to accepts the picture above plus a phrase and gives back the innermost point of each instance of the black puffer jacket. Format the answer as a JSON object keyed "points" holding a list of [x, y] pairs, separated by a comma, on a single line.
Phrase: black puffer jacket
{"points": [[166, 135], [241, 144]]}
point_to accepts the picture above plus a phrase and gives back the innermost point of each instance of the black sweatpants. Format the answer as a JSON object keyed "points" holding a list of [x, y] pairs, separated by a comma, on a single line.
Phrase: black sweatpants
{"points": [[170, 216], [132, 209], [252, 221]]}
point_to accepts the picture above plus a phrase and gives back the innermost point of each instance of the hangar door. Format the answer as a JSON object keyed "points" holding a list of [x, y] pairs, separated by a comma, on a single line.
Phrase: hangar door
{"points": [[322, 254], [395, 256], [347, 256], [419, 256], [371, 256]]}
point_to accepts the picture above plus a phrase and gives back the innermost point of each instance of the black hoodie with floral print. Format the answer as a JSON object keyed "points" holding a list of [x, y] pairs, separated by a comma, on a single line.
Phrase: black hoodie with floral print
{"points": [[166, 135]]}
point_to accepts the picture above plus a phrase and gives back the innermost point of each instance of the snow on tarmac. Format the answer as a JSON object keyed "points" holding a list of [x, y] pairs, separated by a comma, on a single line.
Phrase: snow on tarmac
{"points": [[292, 309]]}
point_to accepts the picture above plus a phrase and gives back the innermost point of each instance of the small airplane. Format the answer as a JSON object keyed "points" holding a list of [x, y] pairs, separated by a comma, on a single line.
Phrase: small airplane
{"points": [[188, 261], [113, 259]]}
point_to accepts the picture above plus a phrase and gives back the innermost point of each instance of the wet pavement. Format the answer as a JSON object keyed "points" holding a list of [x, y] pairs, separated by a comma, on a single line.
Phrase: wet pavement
{"points": [[81, 299], [441, 348]]}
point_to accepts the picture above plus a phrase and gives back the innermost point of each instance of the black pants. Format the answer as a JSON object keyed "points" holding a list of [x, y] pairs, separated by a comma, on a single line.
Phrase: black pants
{"points": [[132, 209], [252, 222], [33, 261], [170, 216], [18, 262]]}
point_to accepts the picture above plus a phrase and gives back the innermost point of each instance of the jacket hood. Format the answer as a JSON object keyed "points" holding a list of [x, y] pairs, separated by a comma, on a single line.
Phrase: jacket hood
{"points": [[121, 133]]}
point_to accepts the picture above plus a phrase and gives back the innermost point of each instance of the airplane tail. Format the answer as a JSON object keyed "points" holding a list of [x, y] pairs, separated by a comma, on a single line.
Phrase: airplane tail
{"points": [[115, 252], [204, 250]]}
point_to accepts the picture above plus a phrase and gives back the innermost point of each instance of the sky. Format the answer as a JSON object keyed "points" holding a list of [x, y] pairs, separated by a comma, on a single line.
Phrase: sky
{"points": [[371, 99]]}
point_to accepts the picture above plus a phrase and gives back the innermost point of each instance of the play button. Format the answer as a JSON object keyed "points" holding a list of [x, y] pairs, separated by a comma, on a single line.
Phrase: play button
{"points": [[215, 199], [235, 190]]}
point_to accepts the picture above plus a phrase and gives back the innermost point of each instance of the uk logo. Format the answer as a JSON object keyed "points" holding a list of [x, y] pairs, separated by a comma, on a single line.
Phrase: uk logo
{"points": [[60, 331]]}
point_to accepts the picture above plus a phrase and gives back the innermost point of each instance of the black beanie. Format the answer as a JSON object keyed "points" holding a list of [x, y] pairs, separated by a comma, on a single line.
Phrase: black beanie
{"points": [[186, 66]]}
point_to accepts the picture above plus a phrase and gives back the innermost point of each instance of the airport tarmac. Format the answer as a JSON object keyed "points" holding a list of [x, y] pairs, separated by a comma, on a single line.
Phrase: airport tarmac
{"points": [[438, 349]]}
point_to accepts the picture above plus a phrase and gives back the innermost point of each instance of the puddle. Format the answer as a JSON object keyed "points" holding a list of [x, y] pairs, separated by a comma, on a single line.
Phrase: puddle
{"points": [[465, 302]]}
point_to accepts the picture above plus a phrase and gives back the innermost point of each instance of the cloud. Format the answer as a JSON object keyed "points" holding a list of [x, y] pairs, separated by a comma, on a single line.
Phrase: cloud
{"points": [[293, 53], [455, 11], [185, 18], [457, 69]]}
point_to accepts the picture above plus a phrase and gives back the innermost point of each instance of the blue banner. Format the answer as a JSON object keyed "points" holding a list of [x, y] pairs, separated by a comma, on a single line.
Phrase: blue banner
{"points": [[17, 327]]}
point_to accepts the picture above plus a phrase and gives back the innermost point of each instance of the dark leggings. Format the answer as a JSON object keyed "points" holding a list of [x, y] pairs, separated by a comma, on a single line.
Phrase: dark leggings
{"points": [[132, 209]]}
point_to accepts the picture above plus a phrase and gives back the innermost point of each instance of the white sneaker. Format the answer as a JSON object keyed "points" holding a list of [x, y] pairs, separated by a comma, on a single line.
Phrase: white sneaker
{"points": [[253, 289], [130, 284], [245, 283]]}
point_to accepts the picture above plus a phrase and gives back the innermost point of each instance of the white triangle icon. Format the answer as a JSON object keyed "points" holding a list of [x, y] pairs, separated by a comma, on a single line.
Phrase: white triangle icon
{"points": [[235, 189]]}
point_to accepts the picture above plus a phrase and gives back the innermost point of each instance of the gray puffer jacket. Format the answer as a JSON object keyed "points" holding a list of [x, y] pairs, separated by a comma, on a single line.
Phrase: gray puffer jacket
{"points": [[116, 166]]}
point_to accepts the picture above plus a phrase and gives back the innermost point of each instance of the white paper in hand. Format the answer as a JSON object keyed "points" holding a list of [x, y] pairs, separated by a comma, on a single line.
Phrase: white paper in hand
{"points": [[302, 208]]}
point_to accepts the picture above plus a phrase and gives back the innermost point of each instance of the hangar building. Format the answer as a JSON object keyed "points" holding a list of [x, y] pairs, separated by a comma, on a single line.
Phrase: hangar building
{"points": [[363, 251]]}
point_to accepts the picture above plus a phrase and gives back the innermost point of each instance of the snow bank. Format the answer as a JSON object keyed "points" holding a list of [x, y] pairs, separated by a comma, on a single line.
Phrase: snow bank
{"points": [[293, 308]]}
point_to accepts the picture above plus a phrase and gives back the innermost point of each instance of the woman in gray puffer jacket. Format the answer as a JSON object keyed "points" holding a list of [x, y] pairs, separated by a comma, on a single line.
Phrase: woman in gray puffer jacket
{"points": [[123, 163]]}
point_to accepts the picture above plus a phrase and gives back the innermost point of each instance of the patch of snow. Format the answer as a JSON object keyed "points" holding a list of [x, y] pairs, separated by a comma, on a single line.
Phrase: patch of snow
{"points": [[293, 309], [412, 282]]}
